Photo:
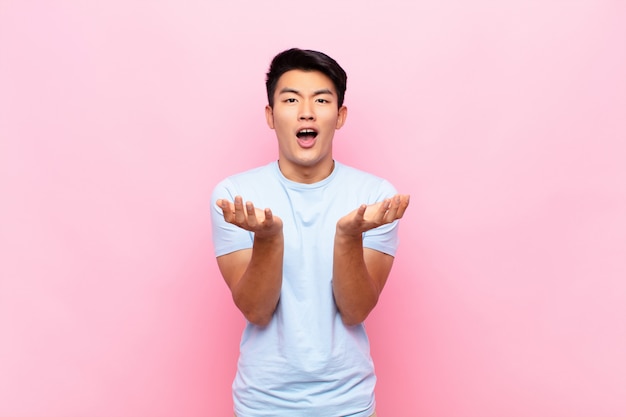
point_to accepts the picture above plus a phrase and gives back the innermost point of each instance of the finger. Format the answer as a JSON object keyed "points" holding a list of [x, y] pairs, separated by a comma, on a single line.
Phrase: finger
{"points": [[250, 211], [392, 212], [379, 218], [404, 203], [221, 203], [269, 217], [397, 211], [240, 216], [227, 209], [360, 213]]}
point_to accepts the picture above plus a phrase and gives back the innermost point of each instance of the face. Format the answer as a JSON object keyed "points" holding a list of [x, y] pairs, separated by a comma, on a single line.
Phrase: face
{"points": [[305, 117]]}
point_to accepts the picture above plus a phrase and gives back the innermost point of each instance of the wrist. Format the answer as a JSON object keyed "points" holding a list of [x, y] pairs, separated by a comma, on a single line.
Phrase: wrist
{"points": [[269, 238], [346, 235]]}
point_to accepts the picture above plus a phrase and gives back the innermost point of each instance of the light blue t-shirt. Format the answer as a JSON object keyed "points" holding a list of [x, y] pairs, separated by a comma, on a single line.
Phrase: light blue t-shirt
{"points": [[305, 362]]}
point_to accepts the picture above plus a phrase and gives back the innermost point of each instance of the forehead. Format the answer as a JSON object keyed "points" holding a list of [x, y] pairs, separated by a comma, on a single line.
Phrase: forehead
{"points": [[305, 81]]}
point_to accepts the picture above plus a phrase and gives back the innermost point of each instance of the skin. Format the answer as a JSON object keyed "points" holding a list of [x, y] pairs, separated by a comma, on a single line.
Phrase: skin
{"points": [[307, 99]]}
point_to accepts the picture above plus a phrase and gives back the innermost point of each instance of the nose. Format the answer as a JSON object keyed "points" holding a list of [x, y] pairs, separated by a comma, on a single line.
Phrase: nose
{"points": [[306, 112]]}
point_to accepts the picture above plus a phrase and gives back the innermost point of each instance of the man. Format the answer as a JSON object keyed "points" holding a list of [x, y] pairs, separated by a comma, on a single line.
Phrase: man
{"points": [[308, 268]]}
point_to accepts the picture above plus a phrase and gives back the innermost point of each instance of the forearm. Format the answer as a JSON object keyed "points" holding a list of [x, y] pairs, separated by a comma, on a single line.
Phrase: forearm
{"points": [[355, 291], [257, 292]]}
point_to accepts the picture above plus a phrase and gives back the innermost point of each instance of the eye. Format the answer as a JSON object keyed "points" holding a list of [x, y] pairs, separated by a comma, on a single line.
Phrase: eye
{"points": [[322, 100], [290, 100]]}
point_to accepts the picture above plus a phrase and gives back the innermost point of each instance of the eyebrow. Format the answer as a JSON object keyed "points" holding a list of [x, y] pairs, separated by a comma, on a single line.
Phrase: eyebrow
{"points": [[315, 93]]}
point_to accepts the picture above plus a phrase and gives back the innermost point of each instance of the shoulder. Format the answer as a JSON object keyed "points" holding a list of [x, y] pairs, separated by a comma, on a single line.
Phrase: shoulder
{"points": [[352, 172], [364, 179], [251, 178], [264, 171]]}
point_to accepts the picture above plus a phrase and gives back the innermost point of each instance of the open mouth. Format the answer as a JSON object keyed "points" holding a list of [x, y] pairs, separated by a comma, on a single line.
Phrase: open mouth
{"points": [[306, 134]]}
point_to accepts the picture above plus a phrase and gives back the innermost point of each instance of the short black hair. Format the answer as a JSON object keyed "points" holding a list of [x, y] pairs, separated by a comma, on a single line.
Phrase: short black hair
{"points": [[305, 60]]}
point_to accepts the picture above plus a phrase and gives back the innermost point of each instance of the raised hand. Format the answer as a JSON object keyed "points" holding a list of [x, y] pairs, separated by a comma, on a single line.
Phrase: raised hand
{"points": [[370, 217], [261, 222]]}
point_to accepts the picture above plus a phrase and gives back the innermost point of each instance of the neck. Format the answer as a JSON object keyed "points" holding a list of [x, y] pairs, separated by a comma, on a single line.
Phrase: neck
{"points": [[306, 175]]}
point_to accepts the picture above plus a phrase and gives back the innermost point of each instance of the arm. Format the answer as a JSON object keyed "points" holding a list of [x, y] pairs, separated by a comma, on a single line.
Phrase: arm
{"points": [[254, 276], [359, 274]]}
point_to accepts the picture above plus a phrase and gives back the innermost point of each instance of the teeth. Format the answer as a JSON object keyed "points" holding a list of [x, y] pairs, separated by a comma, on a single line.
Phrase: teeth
{"points": [[306, 132]]}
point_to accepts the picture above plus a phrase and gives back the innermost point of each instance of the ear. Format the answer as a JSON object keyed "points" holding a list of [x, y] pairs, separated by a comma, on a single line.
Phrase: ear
{"points": [[269, 116], [341, 117]]}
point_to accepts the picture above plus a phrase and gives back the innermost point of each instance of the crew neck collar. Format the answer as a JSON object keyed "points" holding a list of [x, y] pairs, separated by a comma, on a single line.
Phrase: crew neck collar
{"points": [[302, 185]]}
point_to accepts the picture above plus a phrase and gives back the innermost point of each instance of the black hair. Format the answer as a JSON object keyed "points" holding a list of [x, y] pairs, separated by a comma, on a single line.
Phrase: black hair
{"points": [[305, 60]]}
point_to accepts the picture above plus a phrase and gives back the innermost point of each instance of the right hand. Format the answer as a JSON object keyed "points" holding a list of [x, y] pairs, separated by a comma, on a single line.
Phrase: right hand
{"points": [[261, 222]]}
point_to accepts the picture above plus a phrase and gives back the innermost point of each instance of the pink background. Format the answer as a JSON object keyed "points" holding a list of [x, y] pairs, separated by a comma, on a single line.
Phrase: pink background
{"points": [[505, 121]]}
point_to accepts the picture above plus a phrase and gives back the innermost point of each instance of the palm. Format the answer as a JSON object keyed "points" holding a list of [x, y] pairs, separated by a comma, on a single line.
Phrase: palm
{"points": [[368, 217], [248, 217]]}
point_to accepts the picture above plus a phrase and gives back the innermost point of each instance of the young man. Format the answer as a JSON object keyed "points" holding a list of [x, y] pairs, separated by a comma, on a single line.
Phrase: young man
{"points": [[308, 268]]}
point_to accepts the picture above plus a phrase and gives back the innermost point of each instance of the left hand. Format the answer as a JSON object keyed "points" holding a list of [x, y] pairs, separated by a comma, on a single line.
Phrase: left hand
{"points": [[368, 217]]}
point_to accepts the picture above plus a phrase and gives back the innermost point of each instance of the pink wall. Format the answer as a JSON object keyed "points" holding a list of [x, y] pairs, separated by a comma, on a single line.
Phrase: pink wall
{"points": [[505, 121]]}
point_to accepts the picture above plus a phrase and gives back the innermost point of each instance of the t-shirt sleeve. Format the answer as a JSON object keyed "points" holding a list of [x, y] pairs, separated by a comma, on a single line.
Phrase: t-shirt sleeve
{"points": [[384, 238], [227, 238]]}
